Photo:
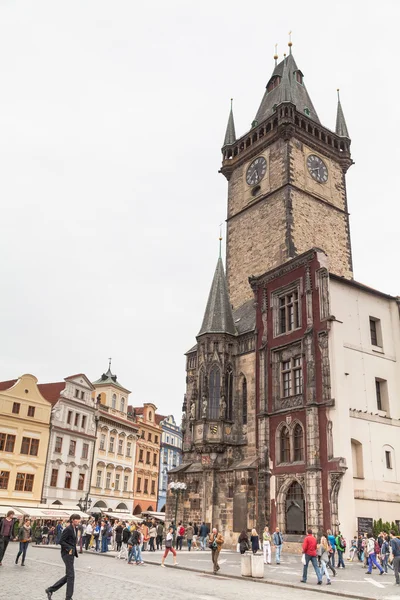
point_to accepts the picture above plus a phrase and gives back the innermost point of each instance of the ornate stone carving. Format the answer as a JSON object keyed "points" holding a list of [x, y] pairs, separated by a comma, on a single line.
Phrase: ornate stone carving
{"points": [[222, 408], [204, 405], [193, 411]]}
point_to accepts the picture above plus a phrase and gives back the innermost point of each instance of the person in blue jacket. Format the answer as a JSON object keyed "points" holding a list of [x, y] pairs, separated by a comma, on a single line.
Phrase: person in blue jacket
{"points": [[332, 542]]}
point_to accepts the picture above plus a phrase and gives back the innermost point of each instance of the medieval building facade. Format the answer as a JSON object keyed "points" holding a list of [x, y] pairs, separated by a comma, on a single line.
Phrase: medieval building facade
{"points": [[266, 409]]}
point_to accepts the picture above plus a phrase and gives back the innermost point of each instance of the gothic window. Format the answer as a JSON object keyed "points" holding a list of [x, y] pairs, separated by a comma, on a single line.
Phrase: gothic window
{"points": [[284, 443], [201, 389], [214, 393], [244, 401], [229, 393], [298, 443], [291, 377]]}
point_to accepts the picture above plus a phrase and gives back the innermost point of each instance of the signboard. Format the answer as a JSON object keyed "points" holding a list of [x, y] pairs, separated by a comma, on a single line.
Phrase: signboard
{"points": [[365, 525]]}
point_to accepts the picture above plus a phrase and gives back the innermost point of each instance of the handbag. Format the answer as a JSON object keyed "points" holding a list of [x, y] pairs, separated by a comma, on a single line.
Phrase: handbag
{"points": [[168, 543], [303, 559]]}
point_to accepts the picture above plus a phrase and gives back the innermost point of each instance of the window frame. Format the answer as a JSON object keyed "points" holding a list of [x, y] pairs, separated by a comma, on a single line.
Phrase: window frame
{"points": [[9, 438], [67, 479], [279, 308], [4, 479], [31, 411], [54, 478]]}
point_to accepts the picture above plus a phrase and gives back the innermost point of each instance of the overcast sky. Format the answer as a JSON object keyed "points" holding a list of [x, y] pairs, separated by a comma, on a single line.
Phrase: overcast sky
{"points": [[112, 116]]}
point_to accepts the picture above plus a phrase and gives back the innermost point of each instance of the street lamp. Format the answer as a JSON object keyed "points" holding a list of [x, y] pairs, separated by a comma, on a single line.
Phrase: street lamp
{"points": [[85, 503], [177, 488]]}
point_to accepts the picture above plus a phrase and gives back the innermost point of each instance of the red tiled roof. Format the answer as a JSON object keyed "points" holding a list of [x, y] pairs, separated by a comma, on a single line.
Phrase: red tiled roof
{"points": [[160, 418], [5, 385], [51, 391]]}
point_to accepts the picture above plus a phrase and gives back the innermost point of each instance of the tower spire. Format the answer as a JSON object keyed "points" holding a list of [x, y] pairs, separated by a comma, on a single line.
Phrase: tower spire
{"points": [[341, 127], [285, 89], [230, 135], [218, 317]]}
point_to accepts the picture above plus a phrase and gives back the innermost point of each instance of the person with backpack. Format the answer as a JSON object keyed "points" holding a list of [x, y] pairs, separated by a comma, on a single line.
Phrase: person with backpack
{"points": [[243, 541], [134, 544], [341, 548], [372, 551]]}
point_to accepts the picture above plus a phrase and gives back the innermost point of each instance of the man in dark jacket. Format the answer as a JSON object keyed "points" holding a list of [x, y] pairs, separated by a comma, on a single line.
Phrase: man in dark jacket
{"points": [[160, 533], [203, 533], [68, 554], [7, 532]]}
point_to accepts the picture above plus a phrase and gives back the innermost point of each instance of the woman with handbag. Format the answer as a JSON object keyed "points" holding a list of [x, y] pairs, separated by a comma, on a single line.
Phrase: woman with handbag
{"points": [[168, 546], [24, 537]]}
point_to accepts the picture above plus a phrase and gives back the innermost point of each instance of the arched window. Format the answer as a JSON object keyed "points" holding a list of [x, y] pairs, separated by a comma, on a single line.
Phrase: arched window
{"points": [[201, 389], [295, 510], [150, 416], [298, 443], [284, 443], [229, 393], [122, 404], [244, 401], [214, 392], [114, 401]]}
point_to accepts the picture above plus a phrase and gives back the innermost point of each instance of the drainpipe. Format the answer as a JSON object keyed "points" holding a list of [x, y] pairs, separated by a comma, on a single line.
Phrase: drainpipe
{"points": [[96, 420], [52, 412]]}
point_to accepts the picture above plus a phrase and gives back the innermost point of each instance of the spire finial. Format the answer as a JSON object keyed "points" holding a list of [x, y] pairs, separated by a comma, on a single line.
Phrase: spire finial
{"points": [[290, 44], [338, 94], [231, 103], [109, 364], [276, 54], [220, 240]]}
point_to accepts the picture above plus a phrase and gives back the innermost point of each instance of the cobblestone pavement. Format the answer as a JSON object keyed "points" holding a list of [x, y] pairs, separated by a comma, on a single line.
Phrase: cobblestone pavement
{"points": [[103, 577]]}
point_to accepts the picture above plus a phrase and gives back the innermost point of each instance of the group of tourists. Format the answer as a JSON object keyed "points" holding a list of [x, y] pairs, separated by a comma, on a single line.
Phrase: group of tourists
{"points": [[380, 553], [268, 541]]}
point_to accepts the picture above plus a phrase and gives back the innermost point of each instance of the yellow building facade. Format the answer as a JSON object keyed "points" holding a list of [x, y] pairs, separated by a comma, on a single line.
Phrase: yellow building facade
{"points": [[24, 438]]}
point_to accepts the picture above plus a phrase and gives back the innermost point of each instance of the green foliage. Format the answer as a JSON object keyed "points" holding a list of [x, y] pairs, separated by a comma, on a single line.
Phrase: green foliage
{"points": [[380, 525]]}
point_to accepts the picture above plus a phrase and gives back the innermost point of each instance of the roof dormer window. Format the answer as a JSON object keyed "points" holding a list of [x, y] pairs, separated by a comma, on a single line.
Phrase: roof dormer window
{"points": [[273, 83], [299, 77], [307, 111]]}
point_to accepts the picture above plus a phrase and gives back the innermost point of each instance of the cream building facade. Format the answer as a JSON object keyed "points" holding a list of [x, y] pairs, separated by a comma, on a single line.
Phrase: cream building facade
{"points": [[365, 373], [117, 432], [72, 440], [24, 437]]}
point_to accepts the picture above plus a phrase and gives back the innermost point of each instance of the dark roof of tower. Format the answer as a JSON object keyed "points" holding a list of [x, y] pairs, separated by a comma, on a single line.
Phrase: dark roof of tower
{"points": [[244, 317], [289, 90], [109, 379], [218, 316], [230, 134], [341, 127]]}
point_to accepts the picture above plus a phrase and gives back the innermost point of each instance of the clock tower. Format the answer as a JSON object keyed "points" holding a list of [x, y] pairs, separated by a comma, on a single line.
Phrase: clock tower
{"points": [[286, 185]]}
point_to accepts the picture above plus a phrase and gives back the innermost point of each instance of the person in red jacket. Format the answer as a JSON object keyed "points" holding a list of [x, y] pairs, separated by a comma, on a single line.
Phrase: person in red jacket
{"points": [[310, 555]]}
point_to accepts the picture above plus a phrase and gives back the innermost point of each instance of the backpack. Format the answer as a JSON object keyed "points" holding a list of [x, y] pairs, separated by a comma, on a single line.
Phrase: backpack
{"points": [[377, 548], [181, 531], [343, 543]]}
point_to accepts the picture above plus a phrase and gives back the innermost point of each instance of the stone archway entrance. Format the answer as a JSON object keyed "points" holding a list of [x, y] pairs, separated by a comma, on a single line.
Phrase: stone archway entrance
{"points": [[295, 510]]}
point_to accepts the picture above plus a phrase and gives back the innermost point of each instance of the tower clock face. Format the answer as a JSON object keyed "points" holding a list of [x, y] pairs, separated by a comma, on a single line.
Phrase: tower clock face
{"points": [[256, 171], [317, 168]]}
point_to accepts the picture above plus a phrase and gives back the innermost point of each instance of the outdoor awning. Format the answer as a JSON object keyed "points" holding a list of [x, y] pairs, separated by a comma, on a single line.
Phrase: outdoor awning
{"points": [[4, 510], [44, 513], [156, 515], [121, 516]]}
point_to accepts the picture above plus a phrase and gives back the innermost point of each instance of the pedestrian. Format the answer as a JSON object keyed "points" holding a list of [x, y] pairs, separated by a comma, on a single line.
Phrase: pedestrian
{"points": [[45, 534], [341, 549], [7, 532], [96, 536], [68, 554], [195, 536], [360, 548], [169, 546], [146, 537], [267, 539], [51, 534], [118, 536], [203, 533], [243, 541], [24, 537], [278, 544], [323, 553], [353, 549], [189, 536], [372, 552], [332, 541], [152, 536], [180, 536], [365, 546], [59, 530], [160, 534], [385, 552], [255, 541], [215, 543], [310, 556], [38, 534], [395, 549], [134, 543]]}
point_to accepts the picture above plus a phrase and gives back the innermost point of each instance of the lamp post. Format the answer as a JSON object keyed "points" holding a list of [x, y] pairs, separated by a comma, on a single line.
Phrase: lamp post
{"points": [[85, 503], [177, 488]]}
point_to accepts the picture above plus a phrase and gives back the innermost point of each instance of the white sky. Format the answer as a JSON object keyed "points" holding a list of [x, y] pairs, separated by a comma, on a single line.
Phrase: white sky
{"points": [[112, 115]]}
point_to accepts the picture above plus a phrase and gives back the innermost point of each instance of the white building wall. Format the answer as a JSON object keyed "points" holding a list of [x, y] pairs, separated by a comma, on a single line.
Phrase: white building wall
{"points": [[369, 488]]}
